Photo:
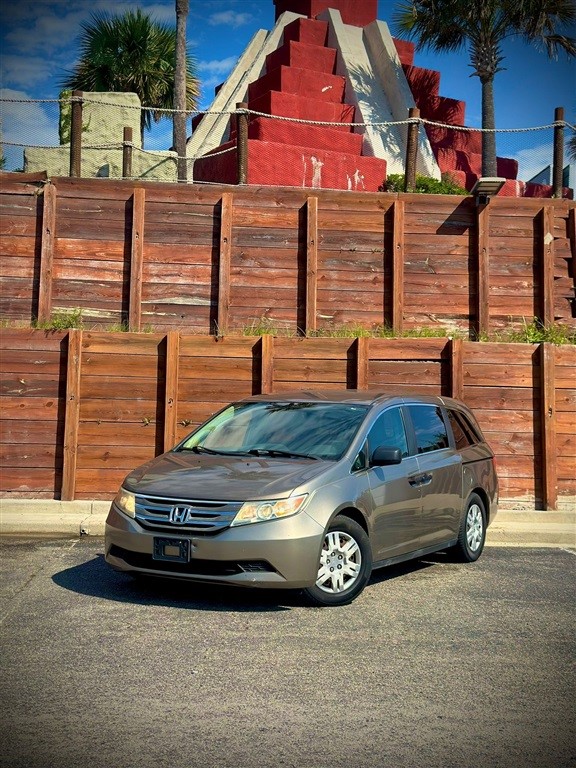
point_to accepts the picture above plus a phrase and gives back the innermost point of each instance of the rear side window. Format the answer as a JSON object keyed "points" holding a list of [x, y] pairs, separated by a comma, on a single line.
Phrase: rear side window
{"points": [[429, 427], [464, 434]]}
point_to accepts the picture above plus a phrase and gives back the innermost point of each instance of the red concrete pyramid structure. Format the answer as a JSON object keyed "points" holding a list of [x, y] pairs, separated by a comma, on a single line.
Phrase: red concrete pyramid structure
{"points": [[299, 79], [299, 82]]}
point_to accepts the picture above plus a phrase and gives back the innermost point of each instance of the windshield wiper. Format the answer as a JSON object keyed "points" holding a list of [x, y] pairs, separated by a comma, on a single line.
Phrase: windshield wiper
{"points": [[277, 452], [211, 451]]}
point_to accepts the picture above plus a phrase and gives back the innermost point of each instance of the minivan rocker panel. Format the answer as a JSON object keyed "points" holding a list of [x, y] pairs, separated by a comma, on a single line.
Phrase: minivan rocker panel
{"points": [[308, 491]]}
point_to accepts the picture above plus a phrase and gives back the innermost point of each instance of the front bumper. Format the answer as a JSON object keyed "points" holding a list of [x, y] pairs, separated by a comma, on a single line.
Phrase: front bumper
{"points": [[273, 554]]}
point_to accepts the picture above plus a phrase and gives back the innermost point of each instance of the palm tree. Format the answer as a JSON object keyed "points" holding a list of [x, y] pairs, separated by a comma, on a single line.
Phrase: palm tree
{"points": [[132, 53], [481, 26]]}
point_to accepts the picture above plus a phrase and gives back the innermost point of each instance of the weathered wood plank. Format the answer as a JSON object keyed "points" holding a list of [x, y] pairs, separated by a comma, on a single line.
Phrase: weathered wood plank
{"points": [[311, 348], [311, 263], [226, 227], [171, 388], [123, 366], [267, 365], [122, 410], [216, 391], [112, 456], [29, 481], [398, 257], [47, 253], [548, 425], [42, 408], [136, 260], [405, 372], [73, 378], [362, 362], [486, 375], [547, 266], [31, 456]]}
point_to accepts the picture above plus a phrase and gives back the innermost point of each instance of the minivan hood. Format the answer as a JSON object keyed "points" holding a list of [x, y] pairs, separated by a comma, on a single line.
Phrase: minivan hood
{"points": [[187, 475]]}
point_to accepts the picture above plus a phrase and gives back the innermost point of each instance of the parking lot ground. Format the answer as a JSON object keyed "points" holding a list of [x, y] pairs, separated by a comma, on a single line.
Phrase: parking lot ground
{"points": [[436, 664]]}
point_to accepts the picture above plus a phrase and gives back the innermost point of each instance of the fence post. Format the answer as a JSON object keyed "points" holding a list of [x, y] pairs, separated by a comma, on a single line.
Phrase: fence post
{"points": [[76, 135], [267, 364], [47, 253], [411, 151], [548, 425], [547, 266], [483, 250], [362, 361], [311, 263], [398, 268], [127, 153], [558, 161], [171, 388], [456, 353], [242, 143], [136, 260], [71, 415], [225, 256]]}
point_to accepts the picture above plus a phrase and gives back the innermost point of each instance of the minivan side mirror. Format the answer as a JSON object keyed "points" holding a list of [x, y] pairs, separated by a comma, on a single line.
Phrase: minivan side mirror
{"points": [[385, 455]]}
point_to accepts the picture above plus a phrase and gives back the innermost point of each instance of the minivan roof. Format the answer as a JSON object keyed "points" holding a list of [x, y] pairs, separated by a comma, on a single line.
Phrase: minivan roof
{"points": [[362, 396]]}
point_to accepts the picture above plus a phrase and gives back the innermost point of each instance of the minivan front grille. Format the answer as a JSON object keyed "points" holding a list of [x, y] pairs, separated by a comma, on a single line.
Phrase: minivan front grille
{"points": [[191, 516]]}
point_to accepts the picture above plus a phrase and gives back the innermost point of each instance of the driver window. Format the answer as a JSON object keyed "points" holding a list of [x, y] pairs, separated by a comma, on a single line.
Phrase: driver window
{"points": [[388, 429]]}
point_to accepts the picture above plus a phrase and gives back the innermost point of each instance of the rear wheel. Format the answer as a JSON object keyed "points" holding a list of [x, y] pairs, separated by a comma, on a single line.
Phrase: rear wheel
{"points": [[345, 564], [472, 531]]}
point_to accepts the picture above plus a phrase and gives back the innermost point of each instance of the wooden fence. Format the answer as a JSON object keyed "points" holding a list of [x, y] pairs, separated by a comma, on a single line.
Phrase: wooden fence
{"points": [[80, 409], [208, 259]]}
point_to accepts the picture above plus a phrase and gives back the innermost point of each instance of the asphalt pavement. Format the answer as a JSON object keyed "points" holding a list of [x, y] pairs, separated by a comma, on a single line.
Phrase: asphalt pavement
{"points": [[436, 664]]}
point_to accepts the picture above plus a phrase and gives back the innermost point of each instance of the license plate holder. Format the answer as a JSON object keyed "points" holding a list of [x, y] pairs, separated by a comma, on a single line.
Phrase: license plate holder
{"points": [[171, 550]]}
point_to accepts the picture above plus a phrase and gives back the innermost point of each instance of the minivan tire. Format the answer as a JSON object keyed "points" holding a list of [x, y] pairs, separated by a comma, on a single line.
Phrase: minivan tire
{"points": [[345, 564], [472, 535]]}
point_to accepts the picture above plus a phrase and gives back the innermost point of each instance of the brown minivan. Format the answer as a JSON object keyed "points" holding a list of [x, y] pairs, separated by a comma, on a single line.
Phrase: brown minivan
{"points": [[309, 490]]}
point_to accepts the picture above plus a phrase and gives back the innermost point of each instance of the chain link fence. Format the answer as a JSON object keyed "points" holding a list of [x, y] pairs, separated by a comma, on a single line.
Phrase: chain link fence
{"points": [[36, 136]]}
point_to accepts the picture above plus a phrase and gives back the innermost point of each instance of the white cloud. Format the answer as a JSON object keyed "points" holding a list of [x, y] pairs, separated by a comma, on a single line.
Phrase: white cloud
{"points": [[29, 123], [218, 66], [229, 19], [27, 71], [46, 27]]}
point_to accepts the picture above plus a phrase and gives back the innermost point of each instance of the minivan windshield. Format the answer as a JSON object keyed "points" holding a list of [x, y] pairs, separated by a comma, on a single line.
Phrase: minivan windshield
{"points": [[279, 429]]}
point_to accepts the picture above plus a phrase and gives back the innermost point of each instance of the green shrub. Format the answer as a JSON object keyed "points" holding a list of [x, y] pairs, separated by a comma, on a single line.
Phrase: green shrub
{"points": [[61, 320], [446, 186]]}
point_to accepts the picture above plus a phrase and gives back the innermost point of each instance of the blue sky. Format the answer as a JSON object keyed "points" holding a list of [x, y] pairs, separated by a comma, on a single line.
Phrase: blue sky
{"points": [[38, 45]]}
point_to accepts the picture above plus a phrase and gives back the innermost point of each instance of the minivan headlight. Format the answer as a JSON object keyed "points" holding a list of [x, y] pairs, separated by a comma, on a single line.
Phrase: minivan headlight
{"points": [[273, 509], [126, 502]]}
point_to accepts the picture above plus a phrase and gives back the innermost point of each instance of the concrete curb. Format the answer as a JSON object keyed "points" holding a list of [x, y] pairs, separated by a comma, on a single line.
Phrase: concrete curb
{"points": [[45, 517]]}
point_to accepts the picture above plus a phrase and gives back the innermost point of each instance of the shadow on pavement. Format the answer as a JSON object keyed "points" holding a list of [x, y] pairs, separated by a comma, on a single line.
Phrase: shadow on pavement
{"points": [[96, 579]]}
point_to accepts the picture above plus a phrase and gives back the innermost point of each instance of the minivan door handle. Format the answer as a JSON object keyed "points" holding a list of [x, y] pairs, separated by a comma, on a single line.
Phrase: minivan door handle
{"points": [[418, 480]]}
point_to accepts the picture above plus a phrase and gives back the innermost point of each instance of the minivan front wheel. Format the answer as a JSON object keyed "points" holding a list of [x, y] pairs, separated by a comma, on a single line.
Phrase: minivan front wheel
{"points": [[472, 531], [345, 564]]}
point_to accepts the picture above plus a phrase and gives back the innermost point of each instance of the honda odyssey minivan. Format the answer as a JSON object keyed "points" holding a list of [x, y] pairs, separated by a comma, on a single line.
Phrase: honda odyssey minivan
{"points": [[308, 491]]}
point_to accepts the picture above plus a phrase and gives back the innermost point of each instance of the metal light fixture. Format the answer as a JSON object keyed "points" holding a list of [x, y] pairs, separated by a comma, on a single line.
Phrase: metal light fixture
{"points": [[485, 187]]}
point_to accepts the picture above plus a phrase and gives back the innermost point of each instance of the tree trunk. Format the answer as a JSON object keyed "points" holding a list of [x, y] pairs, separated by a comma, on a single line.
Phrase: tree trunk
{"points": [[489, 166], [179, 119]]}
